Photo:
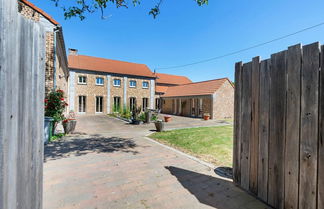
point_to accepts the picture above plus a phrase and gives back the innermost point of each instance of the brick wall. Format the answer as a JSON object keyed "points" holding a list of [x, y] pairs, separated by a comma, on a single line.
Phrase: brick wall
{"points": [[49, 62], [28, 12], [91, 90], [138, 92], [224, 102]]}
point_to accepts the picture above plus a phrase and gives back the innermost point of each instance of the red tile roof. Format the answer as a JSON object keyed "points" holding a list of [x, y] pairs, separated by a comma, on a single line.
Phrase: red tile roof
{"points": [[161, 89], [83, 62], [47, 16], [172, 79], [196, 89]]}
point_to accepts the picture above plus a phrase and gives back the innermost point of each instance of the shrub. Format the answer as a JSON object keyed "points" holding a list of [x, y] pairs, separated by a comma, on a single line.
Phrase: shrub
{"points": [[55, 105]]}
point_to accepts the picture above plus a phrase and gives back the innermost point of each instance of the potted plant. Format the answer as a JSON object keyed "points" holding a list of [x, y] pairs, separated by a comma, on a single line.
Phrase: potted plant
{"points": [[206, 116], [135, 116], [167, 118], [54, 107], [159, 125], [69, 123]]}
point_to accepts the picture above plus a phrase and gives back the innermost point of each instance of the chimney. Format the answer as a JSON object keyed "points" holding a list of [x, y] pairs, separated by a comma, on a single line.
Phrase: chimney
{"points": [[73, 51]]}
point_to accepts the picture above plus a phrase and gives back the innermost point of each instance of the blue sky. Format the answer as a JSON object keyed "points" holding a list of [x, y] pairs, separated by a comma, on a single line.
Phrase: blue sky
{"points": [[185, 33]]}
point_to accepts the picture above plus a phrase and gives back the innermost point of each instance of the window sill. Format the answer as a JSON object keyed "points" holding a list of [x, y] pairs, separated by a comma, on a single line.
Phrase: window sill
{"points": [[116, 86], [99, 112], [132, 87], [82, 83], [81, 112], [145, 87], [99, 85]]}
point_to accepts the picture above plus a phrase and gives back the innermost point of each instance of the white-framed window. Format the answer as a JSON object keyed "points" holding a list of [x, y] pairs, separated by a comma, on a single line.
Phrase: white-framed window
{"points": [[158, 103], [145, 104], [99, 81], [99, 104], [82, 104], [145, 85], [132, 83], [82, 80], [116, 104], [117, 82], [132, 103]]}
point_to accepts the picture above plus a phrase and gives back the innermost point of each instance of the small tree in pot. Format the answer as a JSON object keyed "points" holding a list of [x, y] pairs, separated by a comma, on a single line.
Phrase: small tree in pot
{"points": [[55, 106]]}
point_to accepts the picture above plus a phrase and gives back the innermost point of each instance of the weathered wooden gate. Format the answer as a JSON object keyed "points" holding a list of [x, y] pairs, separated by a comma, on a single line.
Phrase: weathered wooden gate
{"points": [[279, 127], [22, 77]]}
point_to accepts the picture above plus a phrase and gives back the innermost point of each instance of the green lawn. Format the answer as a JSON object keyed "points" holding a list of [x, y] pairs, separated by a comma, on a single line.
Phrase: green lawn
{"points": [[212, 144]]}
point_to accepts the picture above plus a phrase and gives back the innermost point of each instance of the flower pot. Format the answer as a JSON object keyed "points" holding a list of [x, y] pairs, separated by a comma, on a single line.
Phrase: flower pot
{"points": [[69, 126], [206, 117], [167, 119], [159, 125]]}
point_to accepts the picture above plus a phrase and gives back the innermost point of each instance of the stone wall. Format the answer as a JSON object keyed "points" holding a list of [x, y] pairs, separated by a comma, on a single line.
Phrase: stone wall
{"points": [[223, 104]]}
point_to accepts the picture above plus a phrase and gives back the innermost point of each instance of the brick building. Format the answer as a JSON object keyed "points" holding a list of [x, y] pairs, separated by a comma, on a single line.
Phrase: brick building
{"points": [[103, 86], [56, 67], [163, 81], [215, 97]]}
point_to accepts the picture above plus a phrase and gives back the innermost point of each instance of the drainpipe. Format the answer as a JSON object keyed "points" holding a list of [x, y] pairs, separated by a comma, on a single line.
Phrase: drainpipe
{"points": [[56, 29]]}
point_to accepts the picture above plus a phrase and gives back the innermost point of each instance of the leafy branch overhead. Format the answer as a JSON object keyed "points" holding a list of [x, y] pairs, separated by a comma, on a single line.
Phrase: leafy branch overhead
{"points": [[80, 8]]}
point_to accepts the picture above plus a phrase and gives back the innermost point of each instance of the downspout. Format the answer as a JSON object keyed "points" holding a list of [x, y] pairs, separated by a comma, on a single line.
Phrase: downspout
{"points": [[56, 29]]}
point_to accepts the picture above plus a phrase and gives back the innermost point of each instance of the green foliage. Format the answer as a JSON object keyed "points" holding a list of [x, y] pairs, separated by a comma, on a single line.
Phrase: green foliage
{"points": [[55, 105], [142, 117], [126, 113], [116, 109], [56, 136], [80, 8], [154, 118]]}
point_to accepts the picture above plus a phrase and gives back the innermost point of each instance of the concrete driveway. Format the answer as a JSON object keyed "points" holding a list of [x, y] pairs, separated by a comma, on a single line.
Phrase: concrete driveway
{"points": [[110, 164]]}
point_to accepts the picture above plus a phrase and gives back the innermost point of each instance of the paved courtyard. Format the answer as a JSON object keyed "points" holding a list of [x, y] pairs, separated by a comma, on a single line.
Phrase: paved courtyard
{"points": [[110, 164]]}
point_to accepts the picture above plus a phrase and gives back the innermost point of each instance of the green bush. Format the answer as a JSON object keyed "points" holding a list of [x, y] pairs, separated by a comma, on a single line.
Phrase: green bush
{"points": [[55, 105], [142, 117], [126, 113]]}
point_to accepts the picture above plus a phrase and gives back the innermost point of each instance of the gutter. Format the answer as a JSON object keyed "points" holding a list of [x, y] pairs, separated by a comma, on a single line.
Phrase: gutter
{"points": [[56, 29]]}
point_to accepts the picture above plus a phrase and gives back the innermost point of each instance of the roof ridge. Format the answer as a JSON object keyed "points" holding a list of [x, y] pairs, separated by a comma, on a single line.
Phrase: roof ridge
{"points": [[109, 59], [205, 81]]}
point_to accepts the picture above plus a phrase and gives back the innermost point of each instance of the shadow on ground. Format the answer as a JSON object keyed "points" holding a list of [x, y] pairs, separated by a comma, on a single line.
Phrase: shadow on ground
{"points": [[212, 191], [85, 145]]}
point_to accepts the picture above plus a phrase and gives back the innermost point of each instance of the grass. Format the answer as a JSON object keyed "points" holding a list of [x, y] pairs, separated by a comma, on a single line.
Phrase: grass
{"points": [[212, 144], [56, 137]]}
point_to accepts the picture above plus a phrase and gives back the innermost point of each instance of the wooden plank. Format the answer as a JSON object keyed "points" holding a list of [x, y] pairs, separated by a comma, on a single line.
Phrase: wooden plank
{"points": [[277, 130], [309, 126], [237, 124], [264, 130], [254, 141], [321, 137], [246, 126], [294, 61]]}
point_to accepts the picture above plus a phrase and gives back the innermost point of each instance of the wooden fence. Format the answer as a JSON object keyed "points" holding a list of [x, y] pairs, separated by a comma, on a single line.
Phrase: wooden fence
{"points": [[22, 65], [279, 128]]}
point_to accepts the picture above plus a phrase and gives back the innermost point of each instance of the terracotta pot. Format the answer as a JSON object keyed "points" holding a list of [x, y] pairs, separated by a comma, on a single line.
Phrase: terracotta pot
{"points": [[167, 118], [206, 117]]}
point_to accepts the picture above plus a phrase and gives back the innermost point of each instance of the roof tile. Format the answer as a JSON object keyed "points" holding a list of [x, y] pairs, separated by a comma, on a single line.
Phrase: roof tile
{"points": [[171, 79], [83, 62], [196, 89]]}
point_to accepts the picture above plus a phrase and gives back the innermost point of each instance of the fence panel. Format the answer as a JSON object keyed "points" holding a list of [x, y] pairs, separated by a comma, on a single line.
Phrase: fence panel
{"points": [[246, 119], [21, 109], [309, 126], [279, 125], [264, 130], [294, 61]]}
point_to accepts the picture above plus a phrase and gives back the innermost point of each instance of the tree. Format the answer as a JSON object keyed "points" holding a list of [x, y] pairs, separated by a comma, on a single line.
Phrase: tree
{"points": [[80, 8]]}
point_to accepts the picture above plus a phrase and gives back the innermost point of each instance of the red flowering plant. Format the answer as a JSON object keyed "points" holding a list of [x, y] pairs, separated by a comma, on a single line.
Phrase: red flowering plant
{"points": [[55, 106]]}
